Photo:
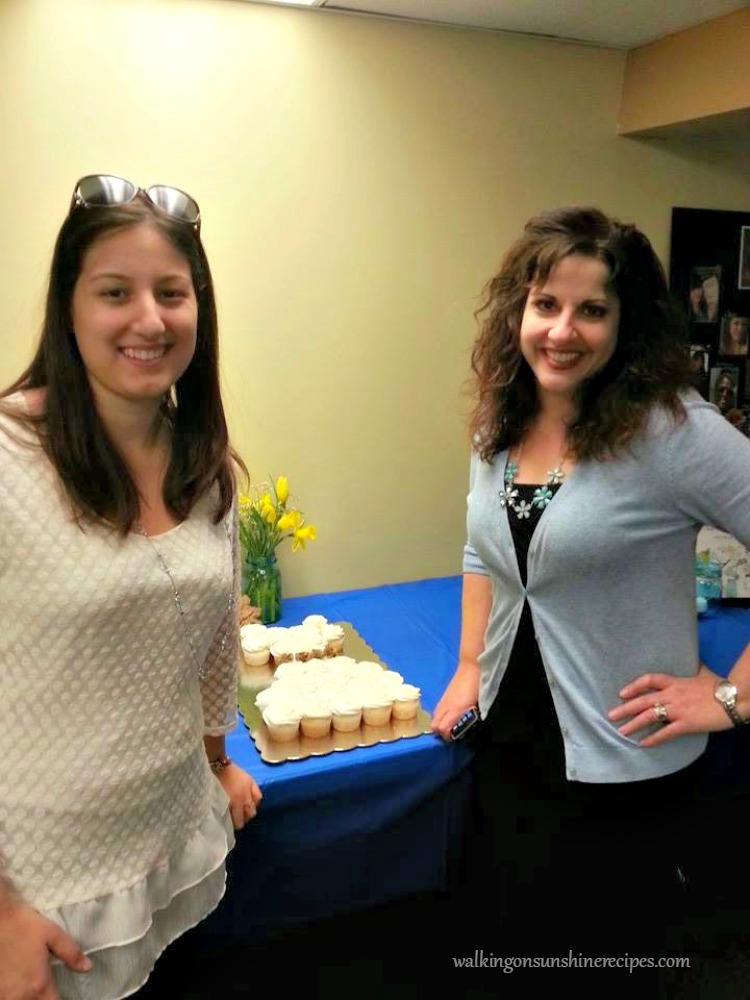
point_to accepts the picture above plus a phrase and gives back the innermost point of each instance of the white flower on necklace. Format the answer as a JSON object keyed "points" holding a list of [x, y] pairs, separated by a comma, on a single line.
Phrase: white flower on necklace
{"points": [[542, 494], [508, 496]]}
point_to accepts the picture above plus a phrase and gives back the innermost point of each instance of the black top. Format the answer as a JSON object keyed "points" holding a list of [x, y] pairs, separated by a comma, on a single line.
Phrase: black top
{"points": [[523, 710]]}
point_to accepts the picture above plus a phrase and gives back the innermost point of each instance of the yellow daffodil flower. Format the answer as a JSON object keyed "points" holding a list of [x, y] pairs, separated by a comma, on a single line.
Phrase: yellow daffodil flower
{"points": [[288, 520], [302, 535], [267, 509], [281, 488], [265, 520]]}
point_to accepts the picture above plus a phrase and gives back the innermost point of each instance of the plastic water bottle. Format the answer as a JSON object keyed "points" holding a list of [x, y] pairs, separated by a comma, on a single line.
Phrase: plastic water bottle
{"points": [[707, 586]]}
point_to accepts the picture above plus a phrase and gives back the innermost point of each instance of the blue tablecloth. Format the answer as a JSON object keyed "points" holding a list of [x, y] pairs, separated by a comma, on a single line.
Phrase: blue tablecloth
{"points": [[371, 824], [363, 826]]}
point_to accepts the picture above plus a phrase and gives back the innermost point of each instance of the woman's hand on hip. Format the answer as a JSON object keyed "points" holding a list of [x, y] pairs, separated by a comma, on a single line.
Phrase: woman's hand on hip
{"points": [[680, 704], [27, 939], [244, 794]]}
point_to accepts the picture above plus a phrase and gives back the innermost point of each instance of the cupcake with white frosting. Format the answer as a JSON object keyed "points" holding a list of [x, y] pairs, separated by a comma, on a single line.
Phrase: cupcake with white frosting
{"points": [[316, 717], [346, 712], [406, 701], [377, 706], [255, 649], [315, 621], [283, 649], [255, 630], [282, 721], [333, 636]]}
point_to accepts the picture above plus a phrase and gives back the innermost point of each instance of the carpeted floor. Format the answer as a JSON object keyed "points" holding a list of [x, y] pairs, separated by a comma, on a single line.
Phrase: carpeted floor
{"points": [[405, 951]]}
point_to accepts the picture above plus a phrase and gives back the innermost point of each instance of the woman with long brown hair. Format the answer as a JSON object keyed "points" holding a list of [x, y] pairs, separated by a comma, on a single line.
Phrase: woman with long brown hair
{"points": [[118, 606]]}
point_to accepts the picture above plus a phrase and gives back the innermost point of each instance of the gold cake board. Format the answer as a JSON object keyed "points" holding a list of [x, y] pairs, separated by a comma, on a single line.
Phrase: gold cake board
{"points": [[254, 679]]}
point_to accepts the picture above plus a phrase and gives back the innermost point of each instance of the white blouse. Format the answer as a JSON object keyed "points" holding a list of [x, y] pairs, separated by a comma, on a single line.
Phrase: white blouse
{"points": [[111, 823]]}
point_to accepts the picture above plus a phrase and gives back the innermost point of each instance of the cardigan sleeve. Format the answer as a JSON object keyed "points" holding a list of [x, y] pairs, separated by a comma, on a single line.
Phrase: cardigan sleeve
{"points": [[471, 561], [708, 462]]}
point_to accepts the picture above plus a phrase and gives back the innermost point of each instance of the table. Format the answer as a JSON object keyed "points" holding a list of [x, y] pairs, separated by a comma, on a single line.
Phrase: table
{"points": [[360, 827], [368, 825], [721, 638]]}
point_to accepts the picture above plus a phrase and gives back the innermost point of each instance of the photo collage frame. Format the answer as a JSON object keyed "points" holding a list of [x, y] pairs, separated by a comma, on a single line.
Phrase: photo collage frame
{"points": [[710, 275]]}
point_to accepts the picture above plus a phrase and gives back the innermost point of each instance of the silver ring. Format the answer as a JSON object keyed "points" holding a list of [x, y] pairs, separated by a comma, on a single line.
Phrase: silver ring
{"points": [[660, 712]]}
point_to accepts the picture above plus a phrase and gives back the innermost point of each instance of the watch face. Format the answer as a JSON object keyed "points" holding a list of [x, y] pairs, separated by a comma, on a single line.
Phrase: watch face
{"points": [[726, 692]]}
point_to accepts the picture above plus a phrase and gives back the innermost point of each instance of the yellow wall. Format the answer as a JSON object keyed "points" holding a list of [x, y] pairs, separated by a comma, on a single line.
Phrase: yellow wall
{"points": [[697, 73], [359, 180]]}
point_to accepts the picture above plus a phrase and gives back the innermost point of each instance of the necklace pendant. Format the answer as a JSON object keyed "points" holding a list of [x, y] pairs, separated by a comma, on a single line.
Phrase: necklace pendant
{"points": [[522, 509], [508, 495], [542, 496], [203, 667], [555, 476]]}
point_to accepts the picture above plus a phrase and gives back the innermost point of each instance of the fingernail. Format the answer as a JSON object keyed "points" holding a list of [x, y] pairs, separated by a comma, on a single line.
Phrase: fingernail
{"points": [[86, 964]]}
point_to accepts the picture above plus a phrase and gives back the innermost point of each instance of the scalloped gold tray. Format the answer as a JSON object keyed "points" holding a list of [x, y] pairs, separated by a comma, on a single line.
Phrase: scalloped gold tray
{"points": [[254, 679]]}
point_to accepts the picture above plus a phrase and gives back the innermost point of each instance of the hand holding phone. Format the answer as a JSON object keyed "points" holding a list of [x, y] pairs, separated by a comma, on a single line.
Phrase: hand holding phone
{"points": [[465, 724]]}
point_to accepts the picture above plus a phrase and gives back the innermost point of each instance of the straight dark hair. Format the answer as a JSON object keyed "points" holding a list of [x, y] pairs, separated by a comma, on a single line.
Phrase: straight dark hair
{"points": [[71, 432], [649, 366]]}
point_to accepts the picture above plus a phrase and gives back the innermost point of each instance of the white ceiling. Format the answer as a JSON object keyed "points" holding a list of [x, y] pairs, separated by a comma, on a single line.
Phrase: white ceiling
{"points": [[617, 23]]}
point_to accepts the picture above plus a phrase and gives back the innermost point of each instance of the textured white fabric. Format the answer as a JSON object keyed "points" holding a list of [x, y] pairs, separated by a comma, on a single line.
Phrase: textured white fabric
{"points": [[126, 932], [104, 781]]}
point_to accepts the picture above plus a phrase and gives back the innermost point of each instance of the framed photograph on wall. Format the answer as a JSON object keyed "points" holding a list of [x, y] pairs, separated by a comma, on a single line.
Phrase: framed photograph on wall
{"points": [[735, 334], [709, 278], [744, 265], [723, 387], [700, 365], [700, 357], [704, 297]]}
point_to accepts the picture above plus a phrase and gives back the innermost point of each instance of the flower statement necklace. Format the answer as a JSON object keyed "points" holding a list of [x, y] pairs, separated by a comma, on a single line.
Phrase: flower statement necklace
{"points": [[542, 494], [202, 667]]}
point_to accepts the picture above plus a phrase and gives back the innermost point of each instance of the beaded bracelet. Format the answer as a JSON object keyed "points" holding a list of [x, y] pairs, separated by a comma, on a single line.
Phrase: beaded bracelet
{"points": [[218, 764]]}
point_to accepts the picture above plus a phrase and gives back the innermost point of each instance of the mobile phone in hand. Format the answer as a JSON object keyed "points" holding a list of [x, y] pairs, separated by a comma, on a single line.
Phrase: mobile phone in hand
{"points": [[465, 724]]}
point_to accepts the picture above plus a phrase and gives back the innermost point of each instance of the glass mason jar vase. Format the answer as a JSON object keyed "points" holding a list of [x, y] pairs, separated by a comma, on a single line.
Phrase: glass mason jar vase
{"points": [[261, 581]]}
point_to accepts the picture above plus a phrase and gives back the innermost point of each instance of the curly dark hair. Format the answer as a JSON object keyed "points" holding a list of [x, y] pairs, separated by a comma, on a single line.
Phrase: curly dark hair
{"points": [[650, 363], [91, 469]]}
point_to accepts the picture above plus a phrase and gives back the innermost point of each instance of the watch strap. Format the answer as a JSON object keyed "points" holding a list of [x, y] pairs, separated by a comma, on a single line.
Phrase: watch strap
{"points": [[218, 764], [733, 714]]}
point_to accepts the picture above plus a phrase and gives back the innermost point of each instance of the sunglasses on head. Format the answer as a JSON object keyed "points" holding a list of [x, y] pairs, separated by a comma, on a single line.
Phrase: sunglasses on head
{"points": [[105, 190]]}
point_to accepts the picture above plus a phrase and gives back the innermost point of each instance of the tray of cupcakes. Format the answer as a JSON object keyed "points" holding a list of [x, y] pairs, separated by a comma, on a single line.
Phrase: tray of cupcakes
{"points": [[317, 688]]}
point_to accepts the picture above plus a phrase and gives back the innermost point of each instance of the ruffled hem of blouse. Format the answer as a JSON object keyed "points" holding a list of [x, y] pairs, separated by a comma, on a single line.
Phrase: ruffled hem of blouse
{"points": [[124, 933]]}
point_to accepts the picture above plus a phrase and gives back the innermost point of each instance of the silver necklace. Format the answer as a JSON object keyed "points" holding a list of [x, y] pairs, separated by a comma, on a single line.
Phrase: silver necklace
{"points": [[202, 667], [542, 494]]}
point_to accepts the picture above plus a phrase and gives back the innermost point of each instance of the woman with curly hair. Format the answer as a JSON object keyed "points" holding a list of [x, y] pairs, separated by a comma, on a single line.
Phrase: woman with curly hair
{"points": [[593, 466]]}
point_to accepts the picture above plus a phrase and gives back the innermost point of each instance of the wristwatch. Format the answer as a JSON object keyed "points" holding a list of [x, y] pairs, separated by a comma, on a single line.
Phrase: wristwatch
{"points": [[726, 694], [218, 764]]}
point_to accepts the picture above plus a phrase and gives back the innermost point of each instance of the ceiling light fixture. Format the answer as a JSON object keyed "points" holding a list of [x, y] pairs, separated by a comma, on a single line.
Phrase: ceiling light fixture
{"points": [[297, 3]]}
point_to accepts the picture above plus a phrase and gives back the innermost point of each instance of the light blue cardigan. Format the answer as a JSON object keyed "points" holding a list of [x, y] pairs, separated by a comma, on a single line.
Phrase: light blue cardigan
{"points": [[611, 582]]}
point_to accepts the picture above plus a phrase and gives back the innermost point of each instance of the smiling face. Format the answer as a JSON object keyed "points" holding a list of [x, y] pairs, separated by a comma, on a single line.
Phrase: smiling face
{"points": [[134, 315], [569, 327], [737, 330]]}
